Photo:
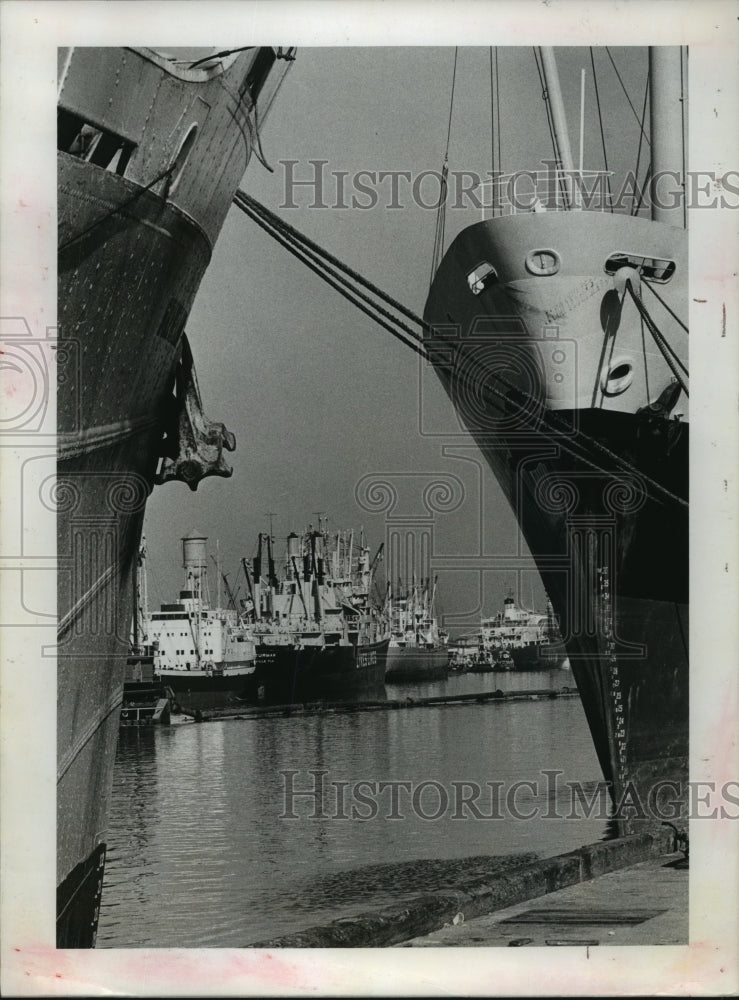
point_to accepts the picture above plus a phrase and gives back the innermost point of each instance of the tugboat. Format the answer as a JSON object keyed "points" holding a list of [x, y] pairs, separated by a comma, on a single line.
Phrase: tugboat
{"points": [[560, 333], [418, 648], [205, 655], [319, 635], [150, 152], [146, 701], [464, 654]]}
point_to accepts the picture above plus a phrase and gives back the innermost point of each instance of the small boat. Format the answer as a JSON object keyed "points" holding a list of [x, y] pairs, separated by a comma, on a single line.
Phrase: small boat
{"points": [[146, 701], [463, 652]]}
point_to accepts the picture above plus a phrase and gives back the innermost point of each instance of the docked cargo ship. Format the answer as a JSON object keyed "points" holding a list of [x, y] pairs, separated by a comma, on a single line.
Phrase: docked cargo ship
{"points": [[150, 151], [418, 647], [204, 654], [560, 333], [319, 634], [518, 638]]}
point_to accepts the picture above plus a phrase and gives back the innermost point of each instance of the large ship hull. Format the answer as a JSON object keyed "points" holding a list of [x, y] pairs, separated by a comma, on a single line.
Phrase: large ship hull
{"points": [[619, 580], [290, 674], [416, 664], [597, 478], [149, 157], [102, 490]]}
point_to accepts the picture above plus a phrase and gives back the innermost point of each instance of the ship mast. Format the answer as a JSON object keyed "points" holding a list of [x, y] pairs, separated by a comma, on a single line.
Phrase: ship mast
{"points": [[666, 126], [559, 119], [218, 573], [140, 597], [136, 571], [256, 610], [257, 571]]}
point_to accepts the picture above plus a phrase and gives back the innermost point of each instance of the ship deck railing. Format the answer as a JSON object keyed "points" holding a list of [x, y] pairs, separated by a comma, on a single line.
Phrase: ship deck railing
{"points": [[551, 190]]}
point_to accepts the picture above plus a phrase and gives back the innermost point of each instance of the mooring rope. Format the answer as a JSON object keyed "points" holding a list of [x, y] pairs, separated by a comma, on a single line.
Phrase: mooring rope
{"points": [[315, 258]]}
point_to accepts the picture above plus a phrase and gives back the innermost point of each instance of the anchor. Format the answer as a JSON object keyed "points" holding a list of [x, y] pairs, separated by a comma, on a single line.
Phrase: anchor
{"points": [[658, 432], [193, 446]]}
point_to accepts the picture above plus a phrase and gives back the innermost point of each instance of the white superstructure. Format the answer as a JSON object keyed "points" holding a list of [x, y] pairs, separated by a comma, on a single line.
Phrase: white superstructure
{"points": [[190, 637]]}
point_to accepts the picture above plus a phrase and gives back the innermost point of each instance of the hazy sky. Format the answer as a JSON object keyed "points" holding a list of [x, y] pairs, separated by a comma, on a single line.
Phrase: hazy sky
{"points": [[317, 395]]}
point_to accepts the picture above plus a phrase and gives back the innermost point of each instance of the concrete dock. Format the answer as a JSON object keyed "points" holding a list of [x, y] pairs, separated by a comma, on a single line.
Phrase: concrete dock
{"points": [[645, 904], [629, 890]]}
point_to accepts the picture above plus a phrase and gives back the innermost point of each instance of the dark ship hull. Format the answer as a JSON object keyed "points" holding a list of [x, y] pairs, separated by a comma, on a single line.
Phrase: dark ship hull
{"points": [[288, 675], [102, 489], [596, 474], [537, 657], [149, 157], [416, 664], [195, 692], [624, 597]]}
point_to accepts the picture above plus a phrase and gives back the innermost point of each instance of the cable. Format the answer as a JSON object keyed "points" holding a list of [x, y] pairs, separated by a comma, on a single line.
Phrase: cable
{"points": [[258, 147], [684, 128], [635, 211], [451, 104], [658, 335], [492, 116], [352, 295], [608, 52], [667, 353], [670, 311], [417, 340], [497, 110], [643, 189], [222, 55], [438, 250], [602, 132], [242, 198], [315, 260], [317, 256]]}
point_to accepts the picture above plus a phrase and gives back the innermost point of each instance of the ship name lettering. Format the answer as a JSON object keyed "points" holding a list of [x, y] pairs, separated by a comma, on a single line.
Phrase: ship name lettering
{"points": [[575, 298]]}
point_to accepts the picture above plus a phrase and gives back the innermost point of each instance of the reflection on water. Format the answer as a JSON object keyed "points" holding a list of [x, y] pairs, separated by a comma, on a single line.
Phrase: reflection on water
{"points": [[199, 856], [548, 680]]}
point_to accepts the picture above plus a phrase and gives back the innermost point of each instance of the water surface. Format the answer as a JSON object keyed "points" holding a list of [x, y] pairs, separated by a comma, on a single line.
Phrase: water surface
{"points": [[199, 855]]}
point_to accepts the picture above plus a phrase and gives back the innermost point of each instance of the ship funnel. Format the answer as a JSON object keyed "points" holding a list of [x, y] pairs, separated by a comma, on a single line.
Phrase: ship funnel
{"points": [[509, 608], [194, 561], [293, 546]]}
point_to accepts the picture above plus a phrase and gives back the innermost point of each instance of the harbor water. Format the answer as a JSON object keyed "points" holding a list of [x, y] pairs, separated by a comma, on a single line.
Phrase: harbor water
{"points": [[203, 852]]}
